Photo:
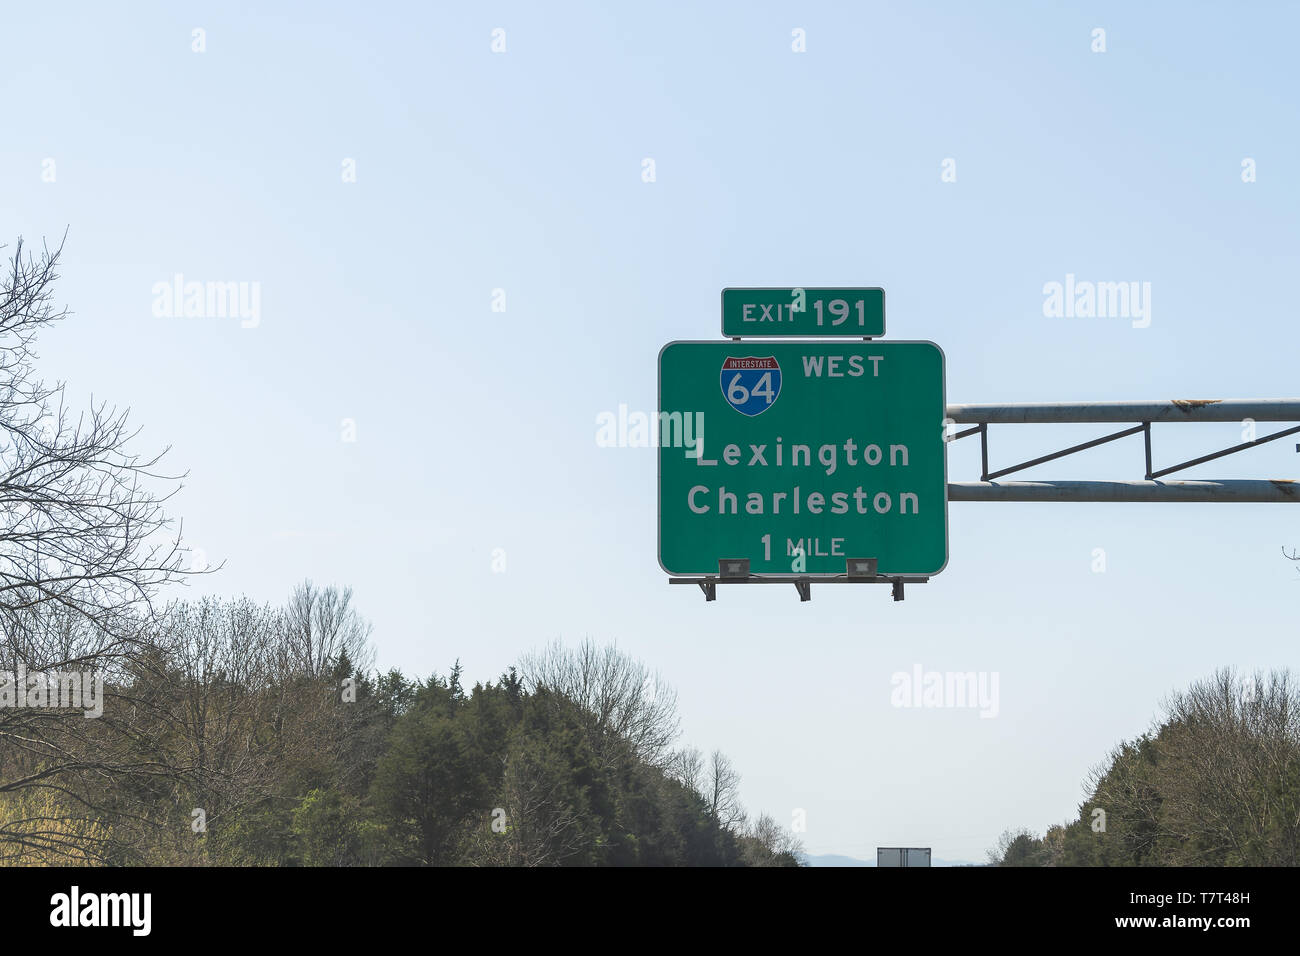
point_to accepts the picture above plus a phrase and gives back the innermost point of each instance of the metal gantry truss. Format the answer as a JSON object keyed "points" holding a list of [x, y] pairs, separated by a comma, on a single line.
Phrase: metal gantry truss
{"points": [[1144, 415]]}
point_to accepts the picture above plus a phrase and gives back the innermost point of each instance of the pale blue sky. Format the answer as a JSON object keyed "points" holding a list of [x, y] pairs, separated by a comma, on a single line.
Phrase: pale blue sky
{"points": [[476, 430]]}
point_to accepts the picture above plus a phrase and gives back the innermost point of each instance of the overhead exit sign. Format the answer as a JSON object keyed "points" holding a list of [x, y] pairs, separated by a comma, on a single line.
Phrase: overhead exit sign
{"points": [[803, 311], [798, 456]]}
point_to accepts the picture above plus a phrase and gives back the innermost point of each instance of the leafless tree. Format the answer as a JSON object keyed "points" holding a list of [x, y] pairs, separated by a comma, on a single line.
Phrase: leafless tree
{"points": [[85, 550], [766, 843], [686, 766], [625, 701], [1232, 756], [82, 524], [1214, 782], [722, 791], [322, 627], [542, 829], [217, 691]]}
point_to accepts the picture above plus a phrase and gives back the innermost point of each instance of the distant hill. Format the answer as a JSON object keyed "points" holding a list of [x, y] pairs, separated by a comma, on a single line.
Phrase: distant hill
{"points": [[834, 859]]}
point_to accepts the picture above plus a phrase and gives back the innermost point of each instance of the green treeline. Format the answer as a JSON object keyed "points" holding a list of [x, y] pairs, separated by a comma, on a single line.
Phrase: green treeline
{"points": [[247, 735], [1215, 783]]}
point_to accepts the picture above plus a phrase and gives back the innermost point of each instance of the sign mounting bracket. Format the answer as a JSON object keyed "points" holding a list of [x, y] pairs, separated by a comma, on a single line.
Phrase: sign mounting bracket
{"points": [[802, 582]]}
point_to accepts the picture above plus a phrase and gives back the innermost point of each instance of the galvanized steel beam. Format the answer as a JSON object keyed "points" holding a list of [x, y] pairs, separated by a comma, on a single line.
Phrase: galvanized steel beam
{"points": [[1234, 490], [1177, 410]]}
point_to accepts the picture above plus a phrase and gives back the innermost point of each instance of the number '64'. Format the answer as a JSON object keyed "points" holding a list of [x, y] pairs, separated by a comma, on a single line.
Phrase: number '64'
{"points": [[738, 394]]}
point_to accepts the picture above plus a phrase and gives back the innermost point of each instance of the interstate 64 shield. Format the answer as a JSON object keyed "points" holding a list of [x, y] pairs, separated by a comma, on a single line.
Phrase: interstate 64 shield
{"points": [[800, 455]]}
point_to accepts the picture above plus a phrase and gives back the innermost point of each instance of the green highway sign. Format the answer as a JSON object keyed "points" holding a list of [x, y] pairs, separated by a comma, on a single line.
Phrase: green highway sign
{"points": [[803, 311], [800, 455]]}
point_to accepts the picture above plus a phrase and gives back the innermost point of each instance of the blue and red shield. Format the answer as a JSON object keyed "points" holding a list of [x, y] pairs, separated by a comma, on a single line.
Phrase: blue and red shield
{"points": [[750, 384]]}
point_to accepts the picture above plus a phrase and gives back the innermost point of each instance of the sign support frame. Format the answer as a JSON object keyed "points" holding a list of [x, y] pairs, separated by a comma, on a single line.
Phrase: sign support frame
{"points": [[1151, 488]]}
